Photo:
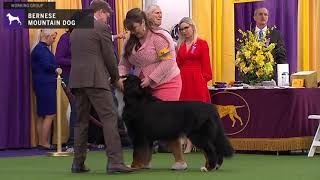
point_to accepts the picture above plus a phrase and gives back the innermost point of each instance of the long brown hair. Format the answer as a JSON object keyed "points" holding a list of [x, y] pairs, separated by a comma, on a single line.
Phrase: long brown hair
{"points": [[135, 15]]}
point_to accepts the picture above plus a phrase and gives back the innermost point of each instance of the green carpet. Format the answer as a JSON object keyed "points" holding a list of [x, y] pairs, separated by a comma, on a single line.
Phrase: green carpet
{"points": [[240, 167]]}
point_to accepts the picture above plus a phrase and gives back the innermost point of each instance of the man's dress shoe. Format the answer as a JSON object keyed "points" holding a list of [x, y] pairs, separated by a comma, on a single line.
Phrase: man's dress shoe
{"points": [[119, 168], [79, 168]]}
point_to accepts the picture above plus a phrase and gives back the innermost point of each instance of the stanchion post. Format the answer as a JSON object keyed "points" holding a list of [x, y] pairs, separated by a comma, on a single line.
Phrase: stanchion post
{"points": [[59, 144]]}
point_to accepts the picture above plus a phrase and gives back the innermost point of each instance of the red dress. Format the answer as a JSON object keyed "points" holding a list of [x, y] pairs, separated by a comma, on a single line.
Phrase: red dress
{"points": [[195, 68]]}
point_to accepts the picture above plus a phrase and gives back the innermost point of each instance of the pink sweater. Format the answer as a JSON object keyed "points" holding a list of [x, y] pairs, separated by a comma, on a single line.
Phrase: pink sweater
{"points": [[155, 59]]}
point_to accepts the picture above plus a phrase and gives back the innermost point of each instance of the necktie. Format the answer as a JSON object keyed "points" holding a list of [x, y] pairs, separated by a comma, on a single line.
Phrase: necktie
{"points": [[260, 35]]}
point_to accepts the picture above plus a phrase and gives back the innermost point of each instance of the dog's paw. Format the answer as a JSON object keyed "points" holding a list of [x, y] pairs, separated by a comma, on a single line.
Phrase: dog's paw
{"points": [[100, 146], [203, 169]]}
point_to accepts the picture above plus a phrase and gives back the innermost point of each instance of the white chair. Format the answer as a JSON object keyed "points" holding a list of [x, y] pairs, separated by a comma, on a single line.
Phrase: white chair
{"points": [[316, 139]]}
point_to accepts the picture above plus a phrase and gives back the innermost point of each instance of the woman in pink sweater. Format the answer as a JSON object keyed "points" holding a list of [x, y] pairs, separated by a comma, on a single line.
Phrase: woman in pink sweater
{"points": [[152, 54]]}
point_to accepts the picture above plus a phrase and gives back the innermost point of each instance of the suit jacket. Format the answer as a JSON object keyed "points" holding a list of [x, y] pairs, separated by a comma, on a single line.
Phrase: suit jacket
{"points": [[279, 52], [93, 61]]}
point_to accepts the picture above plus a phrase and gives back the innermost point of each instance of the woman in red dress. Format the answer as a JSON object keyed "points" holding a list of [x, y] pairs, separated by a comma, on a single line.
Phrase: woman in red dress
{"points": [[194, 62]]}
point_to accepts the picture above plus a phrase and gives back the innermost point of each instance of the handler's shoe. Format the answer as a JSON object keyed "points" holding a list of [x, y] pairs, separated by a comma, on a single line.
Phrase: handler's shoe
{"points": [[149, 166], [179, 166]]}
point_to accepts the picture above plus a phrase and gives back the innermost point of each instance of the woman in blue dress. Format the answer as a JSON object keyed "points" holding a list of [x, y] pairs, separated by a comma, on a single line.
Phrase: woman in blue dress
{"points": [[44, 84]]}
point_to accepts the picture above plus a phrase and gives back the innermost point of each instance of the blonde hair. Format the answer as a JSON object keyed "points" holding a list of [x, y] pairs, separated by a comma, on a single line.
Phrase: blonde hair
{"points": [[40, 35], [189, 21]]}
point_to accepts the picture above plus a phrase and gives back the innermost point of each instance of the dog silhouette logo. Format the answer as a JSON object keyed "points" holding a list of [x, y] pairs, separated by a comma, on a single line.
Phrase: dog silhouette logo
{"points": [[233, 110], [12, 18]]}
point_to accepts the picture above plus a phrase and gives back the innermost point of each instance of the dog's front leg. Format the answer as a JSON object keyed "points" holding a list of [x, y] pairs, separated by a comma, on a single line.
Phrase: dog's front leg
{"points": [[141, 154], [211, 158]]}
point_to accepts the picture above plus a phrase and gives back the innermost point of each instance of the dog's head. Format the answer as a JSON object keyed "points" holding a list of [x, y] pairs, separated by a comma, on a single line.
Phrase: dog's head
{"points": [[134, 93], [132, 87]]}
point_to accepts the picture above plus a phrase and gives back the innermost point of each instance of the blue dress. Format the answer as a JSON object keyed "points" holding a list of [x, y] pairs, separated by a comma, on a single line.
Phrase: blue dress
{"points": [[44, 79]]}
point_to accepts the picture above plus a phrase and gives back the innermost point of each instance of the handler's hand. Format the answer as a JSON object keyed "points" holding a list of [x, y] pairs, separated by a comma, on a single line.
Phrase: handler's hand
{"points": [[145, 82], [121, 35], [120, 84]]}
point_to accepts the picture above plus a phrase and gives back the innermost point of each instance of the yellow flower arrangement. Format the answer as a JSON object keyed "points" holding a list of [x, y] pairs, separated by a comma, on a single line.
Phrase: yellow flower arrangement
{"points": [[254, 58]]}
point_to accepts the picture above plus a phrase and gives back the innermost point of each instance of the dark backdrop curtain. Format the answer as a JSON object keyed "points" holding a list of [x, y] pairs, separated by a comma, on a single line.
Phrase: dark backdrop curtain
{"points": [[112, 19], [282, 13], [15, 115]]}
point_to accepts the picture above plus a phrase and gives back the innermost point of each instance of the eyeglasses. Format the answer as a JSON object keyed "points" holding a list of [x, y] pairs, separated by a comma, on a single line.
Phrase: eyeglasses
{"points": [[184, 28]]}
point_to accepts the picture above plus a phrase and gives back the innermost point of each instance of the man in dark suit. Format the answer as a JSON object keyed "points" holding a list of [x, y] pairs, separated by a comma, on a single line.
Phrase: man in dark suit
{"points": [[261, 18], [93, 69]]}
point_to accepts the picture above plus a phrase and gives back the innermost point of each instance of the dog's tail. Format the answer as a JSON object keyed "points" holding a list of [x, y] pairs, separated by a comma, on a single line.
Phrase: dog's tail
{"points": [[222, 142]]}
